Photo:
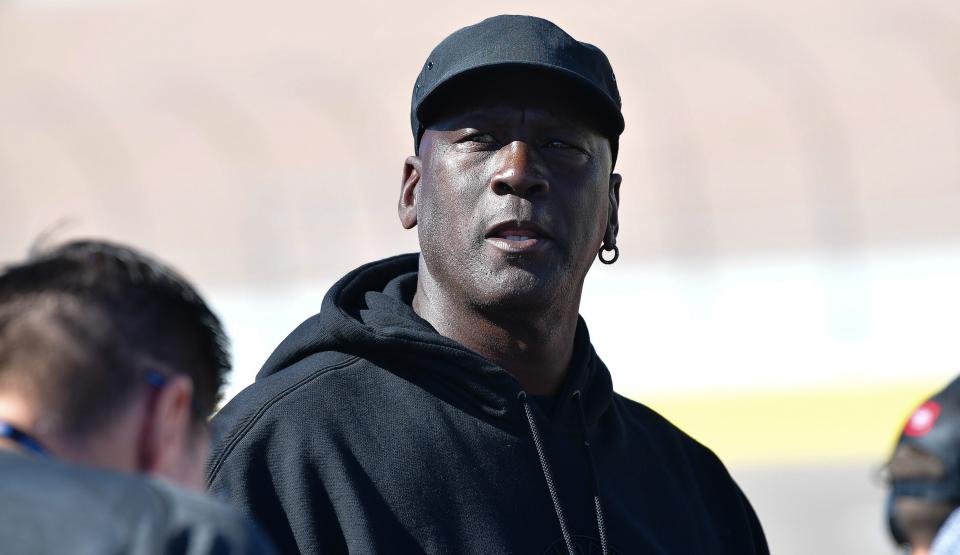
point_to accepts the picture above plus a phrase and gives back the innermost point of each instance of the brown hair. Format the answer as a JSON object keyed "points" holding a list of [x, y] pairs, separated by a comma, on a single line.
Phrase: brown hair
{"points": [[81, 325]]}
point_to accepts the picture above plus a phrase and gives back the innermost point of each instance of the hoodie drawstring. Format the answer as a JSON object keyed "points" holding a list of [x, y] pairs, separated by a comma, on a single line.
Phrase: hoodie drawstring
{"points": [[551, 486], [601, 526], [567, 538]]}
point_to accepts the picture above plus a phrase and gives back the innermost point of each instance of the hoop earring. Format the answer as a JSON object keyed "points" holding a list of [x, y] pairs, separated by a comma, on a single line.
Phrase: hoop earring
{"points": [[616, 254]]}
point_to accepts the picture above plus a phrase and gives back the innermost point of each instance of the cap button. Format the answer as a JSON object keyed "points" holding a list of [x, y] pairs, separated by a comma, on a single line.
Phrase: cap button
{"points": [[429, 65]]}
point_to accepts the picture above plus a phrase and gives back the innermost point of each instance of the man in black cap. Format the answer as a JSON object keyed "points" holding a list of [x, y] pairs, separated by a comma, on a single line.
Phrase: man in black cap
{"points": [[924, 473], [451, 401]]}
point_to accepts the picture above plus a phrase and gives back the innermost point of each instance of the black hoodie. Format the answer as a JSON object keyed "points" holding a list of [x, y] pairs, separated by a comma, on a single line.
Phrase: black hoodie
{"points": [[368, 432]]}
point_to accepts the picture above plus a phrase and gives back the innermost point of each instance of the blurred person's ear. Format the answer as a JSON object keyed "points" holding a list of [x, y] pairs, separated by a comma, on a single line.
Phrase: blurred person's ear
{"points": [[173, 447]]}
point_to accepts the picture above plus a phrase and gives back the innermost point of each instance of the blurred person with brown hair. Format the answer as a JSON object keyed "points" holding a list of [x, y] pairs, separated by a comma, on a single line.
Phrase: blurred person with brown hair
{"points": [[924, 473], [110, 366], [451, 401]]}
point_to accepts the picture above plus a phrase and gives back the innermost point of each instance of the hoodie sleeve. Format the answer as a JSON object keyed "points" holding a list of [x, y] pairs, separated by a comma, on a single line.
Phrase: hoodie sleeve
{"points": [[736, 516], [262, 463], [723, 506], [760, 546]]}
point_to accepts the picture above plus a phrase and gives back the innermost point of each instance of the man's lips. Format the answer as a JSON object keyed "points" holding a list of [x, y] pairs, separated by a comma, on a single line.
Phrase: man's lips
{"points": [[516, 236]]}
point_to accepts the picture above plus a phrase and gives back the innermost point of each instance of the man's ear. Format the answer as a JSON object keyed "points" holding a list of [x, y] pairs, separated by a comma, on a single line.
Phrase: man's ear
{"points": [[167, 439], [613, 216], [407, 207]]}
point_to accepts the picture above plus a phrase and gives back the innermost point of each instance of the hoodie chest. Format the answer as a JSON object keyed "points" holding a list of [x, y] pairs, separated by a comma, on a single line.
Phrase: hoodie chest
{"points": [[444, 476], [451, 479]]}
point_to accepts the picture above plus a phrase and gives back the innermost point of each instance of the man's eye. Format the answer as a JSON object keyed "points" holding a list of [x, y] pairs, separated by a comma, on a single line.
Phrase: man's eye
{"points": [[565, 146], [557, 143], [482, 138]]}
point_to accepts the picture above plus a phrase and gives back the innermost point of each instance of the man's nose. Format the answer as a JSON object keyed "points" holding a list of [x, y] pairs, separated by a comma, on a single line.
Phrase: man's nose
{"points": [[519, 172]]}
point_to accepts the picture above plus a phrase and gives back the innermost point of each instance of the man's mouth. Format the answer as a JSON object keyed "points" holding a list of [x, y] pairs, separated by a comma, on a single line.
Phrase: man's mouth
{"points": [[516, 236]]}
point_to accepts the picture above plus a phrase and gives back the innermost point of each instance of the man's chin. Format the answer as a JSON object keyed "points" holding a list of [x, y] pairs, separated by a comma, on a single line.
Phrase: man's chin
{"points": [[515, 288]]}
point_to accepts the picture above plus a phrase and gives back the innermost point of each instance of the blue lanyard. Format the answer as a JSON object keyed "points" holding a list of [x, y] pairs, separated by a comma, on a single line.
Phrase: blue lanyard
{"points": [[22, 438]]}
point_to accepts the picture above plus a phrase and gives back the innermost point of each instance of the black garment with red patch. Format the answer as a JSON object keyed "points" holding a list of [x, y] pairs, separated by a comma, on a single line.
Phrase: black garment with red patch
{"points": [[933, 428]]}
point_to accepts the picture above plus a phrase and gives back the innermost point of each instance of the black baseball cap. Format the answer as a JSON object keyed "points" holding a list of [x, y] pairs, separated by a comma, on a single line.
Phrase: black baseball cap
{"points": [[524, 43], [926, 460]]}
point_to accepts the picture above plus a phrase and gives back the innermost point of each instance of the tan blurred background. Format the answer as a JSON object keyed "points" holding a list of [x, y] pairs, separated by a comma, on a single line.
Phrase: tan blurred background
{"points": [[790, 210]]}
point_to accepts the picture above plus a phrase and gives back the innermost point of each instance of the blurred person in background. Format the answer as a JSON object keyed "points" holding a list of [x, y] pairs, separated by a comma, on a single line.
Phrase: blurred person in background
{"points": [[110, 365], [924, 474], [451, 401]]}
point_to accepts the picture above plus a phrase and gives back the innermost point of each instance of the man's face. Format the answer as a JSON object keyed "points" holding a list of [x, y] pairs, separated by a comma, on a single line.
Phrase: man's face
{"points": [[513, 201]]}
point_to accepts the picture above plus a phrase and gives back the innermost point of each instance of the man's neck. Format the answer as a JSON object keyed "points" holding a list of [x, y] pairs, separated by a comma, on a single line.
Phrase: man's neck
{"points": [[534, 345], [15, 412], [100, 450]]}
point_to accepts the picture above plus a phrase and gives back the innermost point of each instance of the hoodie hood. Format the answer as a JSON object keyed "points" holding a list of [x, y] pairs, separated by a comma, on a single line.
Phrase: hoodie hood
{"points": [[368, 314]]}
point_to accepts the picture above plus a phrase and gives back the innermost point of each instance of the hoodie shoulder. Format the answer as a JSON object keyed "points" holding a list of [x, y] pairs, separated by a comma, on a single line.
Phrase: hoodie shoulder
{"points": [[254, 404], [660, 426], [672, 440], [701, 468]]}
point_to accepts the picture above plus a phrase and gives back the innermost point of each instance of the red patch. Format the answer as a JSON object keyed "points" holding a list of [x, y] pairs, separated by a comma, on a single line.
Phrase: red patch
{"points": [[922, 419]]}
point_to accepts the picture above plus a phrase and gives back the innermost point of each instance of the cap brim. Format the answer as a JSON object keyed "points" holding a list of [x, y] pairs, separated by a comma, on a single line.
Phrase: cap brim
{"points": [[611, 118]]}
